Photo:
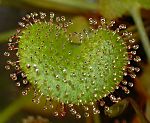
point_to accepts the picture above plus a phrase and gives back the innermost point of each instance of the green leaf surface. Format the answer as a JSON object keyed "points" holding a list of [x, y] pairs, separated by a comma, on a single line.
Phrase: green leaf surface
{"points": [[65, 69]]}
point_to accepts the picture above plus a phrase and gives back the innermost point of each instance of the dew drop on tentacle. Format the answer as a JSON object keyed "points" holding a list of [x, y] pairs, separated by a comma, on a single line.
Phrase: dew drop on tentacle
{"points": [[18, 84], [7, 67], [52, 15], [122, 26], [13, 76], [6, 54]]}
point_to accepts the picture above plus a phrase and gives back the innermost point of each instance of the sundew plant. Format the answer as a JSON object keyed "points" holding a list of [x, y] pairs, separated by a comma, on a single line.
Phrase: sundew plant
{"points": [[84, 69]]}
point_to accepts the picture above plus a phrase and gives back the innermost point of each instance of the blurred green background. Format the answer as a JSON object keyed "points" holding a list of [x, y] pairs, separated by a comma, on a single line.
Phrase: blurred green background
{"points": [[135, 14]]}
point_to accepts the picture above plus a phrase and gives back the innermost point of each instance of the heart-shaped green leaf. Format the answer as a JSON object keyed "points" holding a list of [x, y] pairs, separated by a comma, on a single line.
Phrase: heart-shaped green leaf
{"points": [[79, 66], [76, 73]]}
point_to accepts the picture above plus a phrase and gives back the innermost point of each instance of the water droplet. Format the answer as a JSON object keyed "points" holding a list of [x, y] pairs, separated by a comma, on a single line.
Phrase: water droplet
{"points": [[7, 67], [24, 92], [129, 47], [28, 65], [63, 18], [133, 75], [55, 113], [130, 84], [66, 24], [127, 91], [18, 84], [115, 79], [52, 15], [102, 21], [122, 26], [42, 15], [51, 106], [132, 41], [117, 87], [73, 111], [136, 47], [96, 111], [21, 24], [34, 65], [6, 54], [125, 73], [37, 101], [133, 52], [106, 108], [125, 34], [111, 23], [25, 81], [130, 34], [64, 71], [124, 82], [23, 75], [137, 69], [86, 114], [137, 59], [33, 100], [57, 76], [36, 70], [73, 75], [23, 18], [28, 16], [102, 103], [57, 19], [35, 14], [58, 87], [78, 116], [91, 20], [112, 98], [10, 40], [17, 67], [45, 108], [13, 76], [94, 22]]}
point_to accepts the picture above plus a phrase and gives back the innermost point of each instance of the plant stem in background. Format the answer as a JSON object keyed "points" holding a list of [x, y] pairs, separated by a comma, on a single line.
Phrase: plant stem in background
{"points": [[96, 118], [5, 35], [63, 5], [138, 111], [13, 108], [135, 12]]}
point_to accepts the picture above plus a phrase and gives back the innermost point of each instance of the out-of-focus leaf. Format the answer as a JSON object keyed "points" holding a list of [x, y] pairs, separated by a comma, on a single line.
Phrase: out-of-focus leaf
{"points": [[116, 8], [144, 3], [136, 15], [64, 5], [148, 110], [117, 108], [73, 6], [145, 82], [113, 8], [14, 3], [5, 35]]}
